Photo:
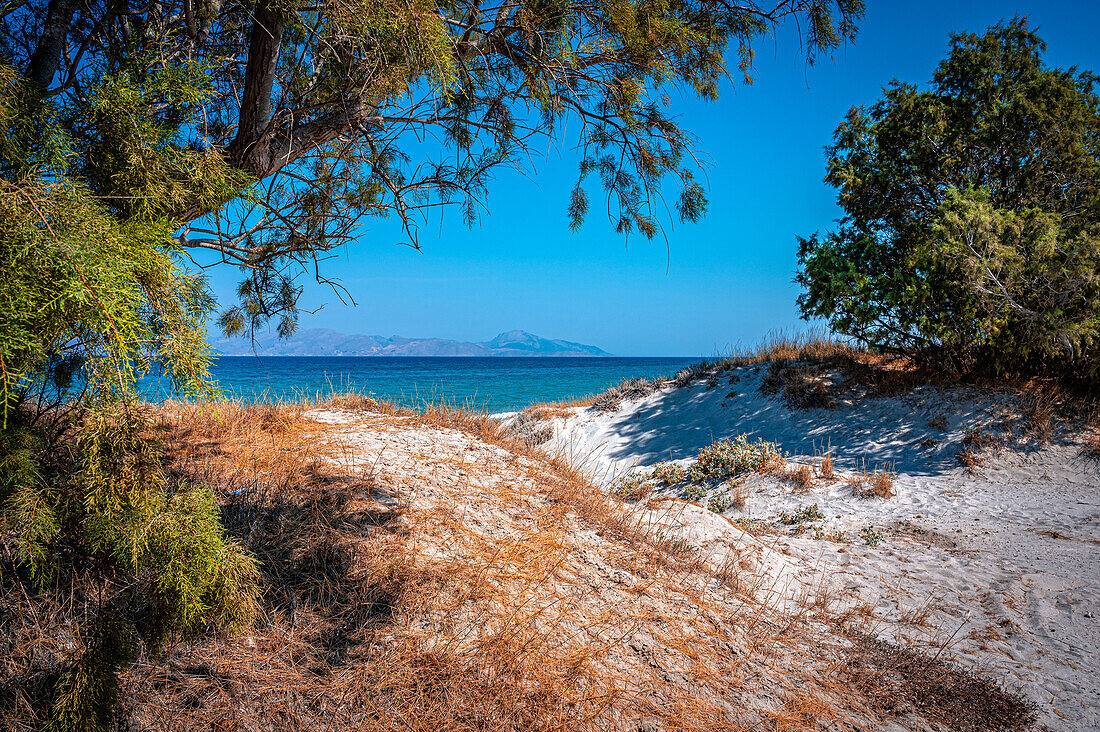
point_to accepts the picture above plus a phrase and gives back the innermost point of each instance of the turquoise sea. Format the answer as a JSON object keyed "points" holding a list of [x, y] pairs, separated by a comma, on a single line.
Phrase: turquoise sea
{"points": [[495, 384]]}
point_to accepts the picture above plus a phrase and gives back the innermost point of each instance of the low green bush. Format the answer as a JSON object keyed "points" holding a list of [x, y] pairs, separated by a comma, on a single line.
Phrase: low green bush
{"points": [[732, 457]]}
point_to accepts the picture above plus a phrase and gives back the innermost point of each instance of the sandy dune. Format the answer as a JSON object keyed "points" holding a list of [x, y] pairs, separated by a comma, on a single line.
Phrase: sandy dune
{"points": [[998, 565]]}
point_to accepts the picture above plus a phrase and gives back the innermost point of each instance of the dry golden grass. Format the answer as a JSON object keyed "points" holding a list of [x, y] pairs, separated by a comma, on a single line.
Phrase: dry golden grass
{"points": [[522, 673], [803, 386], [978, 445], [739, 499], [1091, 443], [801, 476], [1041, 407], [816, 346], [877, 483], [559, 408], [882, 484], [474, 584]]}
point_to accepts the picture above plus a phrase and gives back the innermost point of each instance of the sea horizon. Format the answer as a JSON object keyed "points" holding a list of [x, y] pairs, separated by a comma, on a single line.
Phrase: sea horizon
{"points": [[499, 383]]}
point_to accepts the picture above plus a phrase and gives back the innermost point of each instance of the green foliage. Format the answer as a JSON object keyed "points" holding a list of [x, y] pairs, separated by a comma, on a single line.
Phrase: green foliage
{"points": [[668, 473], [87, 693], [971, 235], [629, 487], [719, 503], [132, 151], [172, 532], [25, 507], [92, 297], [694, 491], [732, 457], [801, 515], [871, 536], [312, 119]]}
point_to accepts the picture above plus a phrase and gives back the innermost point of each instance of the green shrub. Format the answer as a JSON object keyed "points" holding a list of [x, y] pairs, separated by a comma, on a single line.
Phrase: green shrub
{"points": [[871, 536], [801, 515], [91, 302], [732, 457], [668, 473], [971, 235], [719, 503]]}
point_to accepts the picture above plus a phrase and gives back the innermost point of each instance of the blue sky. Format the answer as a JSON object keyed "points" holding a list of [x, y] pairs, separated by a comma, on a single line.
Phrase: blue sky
{"points": [[725, 281]]}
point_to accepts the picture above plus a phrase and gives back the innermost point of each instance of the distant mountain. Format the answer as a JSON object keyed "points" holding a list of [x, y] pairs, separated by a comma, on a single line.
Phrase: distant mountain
{"points": [[324, 342]]}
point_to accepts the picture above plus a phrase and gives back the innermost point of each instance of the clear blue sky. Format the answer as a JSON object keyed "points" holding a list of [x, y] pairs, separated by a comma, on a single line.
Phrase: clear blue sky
{"points": [[725, 281]]}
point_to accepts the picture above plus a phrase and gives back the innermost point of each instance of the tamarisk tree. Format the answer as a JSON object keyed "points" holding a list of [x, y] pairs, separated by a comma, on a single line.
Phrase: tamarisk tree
{"points": [[140, 140], [340, 111]]}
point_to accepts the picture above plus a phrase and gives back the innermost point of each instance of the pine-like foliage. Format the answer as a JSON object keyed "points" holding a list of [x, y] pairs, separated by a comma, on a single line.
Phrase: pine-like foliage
{"points": [[344, 111], [971, 235], [88, 303]]}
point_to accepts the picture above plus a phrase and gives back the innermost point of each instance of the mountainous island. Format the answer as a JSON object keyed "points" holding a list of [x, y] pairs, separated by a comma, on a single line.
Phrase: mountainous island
{"points": [[325, 342]]}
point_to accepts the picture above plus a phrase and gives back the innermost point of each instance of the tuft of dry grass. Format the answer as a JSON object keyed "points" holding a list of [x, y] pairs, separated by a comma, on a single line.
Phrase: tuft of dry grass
{"points": [[803, 386], [559, 408], [612, 399], [1091, 443], [825, 469], [1042, 404], [739, 499], [882, 484], [531, 429], [977, 445], [812, 345], [877, 483], [801, 476]]}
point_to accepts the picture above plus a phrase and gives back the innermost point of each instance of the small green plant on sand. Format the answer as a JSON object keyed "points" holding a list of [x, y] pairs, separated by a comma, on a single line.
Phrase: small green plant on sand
{"points": [[719, 503], [840, 537], [668, 473], [732, 457], [801, 515], [871, 536], [630, 487], [694, 491]]}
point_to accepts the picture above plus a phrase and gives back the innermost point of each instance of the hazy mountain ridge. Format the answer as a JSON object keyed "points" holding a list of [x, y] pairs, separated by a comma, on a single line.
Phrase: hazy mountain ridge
{"points": [[326, 342]]}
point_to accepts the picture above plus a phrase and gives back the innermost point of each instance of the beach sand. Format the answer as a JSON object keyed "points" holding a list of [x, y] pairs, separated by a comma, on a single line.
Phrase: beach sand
{"points": [[996, 566]]}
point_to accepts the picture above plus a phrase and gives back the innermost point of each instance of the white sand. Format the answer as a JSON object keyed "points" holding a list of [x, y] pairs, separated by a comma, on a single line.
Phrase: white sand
{"points": [[999, 566]]}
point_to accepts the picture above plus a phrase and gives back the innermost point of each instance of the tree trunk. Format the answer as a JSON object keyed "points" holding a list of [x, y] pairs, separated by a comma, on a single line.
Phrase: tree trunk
{"points": [[47, 53], [251, 148]]}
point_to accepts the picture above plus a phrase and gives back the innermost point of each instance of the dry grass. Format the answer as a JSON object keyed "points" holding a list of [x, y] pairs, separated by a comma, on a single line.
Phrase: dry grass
{"points": [[561, 408], [902, 680], [803, 386], [471, 584], [612, 399], [877, 483], [825, 468], [801, 476], [978, 444], [1042, 408], [813, 345], [784, 348], [1091, 443], [739, 499]]}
